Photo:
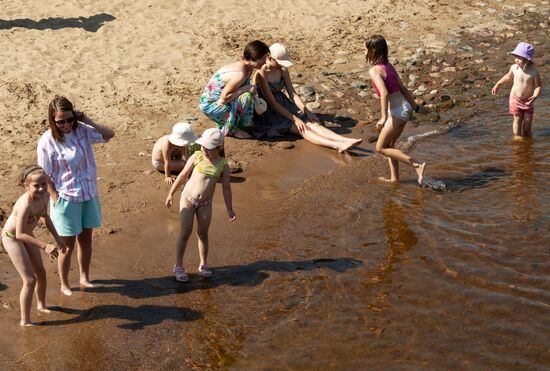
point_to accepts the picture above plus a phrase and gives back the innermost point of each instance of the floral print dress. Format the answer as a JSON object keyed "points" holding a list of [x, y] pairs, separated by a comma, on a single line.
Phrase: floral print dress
{"points": [[232, 115]]}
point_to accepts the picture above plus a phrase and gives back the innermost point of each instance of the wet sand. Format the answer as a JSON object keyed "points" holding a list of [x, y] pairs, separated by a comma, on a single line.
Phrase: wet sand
{"points": [[325, 268]]}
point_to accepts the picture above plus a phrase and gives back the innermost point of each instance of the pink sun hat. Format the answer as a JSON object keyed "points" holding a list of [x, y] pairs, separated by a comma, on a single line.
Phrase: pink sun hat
{"points": [[524, 50]]}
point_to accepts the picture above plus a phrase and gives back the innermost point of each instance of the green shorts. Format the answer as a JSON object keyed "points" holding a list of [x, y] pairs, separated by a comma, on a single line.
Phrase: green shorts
{"points": [[70, 218]]}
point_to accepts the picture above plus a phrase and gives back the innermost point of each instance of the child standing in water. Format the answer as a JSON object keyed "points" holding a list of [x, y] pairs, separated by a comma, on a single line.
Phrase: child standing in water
{"points": [[200, 175], [171, 151], [21, 245], [525, 90], [396, 106]]}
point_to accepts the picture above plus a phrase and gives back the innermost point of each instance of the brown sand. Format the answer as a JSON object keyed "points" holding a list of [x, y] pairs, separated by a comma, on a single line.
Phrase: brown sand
{"points": [[141, 66]]}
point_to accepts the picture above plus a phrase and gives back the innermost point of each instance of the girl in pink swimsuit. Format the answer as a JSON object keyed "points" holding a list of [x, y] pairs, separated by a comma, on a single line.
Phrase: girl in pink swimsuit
{"points": [[396, 106]]}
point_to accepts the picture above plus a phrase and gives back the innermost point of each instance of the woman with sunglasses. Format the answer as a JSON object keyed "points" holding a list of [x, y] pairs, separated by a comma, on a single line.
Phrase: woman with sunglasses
{"points": [[65, 153]]}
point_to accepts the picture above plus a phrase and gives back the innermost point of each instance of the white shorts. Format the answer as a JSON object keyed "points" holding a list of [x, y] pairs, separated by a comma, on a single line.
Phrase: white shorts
{"points": [[402, 111]]}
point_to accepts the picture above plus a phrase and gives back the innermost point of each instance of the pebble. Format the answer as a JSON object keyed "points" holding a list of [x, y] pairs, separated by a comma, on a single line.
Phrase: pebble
{"points": [[363, 94], [312, 106], [359, 84], [307, 90], [191, 117], [142, 154], [413, 77], [331, 73], [449, 69], [340, 61], [433, 92]]}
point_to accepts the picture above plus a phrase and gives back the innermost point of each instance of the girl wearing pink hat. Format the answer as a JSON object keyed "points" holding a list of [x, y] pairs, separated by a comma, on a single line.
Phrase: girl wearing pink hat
{"points": [[525, 90]]}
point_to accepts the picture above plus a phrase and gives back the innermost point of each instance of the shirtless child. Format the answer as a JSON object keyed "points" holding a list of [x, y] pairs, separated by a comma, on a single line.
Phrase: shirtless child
{"points": [[171, 152], [526, 88]]}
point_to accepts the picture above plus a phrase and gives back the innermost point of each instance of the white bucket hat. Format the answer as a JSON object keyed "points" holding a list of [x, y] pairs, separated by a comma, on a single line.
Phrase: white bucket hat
{"points": [[279, 52], [211, 138], [182, 135]]}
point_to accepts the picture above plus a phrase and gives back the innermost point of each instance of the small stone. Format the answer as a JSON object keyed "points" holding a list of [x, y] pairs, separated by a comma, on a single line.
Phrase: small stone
{"points": [[449, 69], [307, 90], [147, 138], [331, 73], [285, 145], [445, 98], [312, 106], [359, 84], [191, 118], [433, 92], [340, 61], [413, 77], [465, 48], [142, 154], [363, 93]]}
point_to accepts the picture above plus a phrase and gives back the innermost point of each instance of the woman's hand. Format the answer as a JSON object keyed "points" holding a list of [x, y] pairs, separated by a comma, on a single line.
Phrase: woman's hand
{"points": [[61, 246], [51, 250], [168, 180], [169, 201], [302, 127]]}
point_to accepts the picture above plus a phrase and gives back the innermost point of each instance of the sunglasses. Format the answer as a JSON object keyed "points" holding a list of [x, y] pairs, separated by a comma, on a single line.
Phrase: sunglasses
{"points": [[69, 120]]}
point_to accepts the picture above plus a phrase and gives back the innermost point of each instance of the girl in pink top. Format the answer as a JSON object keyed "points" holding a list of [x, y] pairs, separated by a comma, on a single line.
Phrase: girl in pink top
{"points": [[65, 153], [396, 106]]}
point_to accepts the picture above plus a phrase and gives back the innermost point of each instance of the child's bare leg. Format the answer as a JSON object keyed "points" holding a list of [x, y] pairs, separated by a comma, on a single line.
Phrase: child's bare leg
{"points": [[516, 126], [64, 264], [394, 170], [186, 228], [173, 165], [391, 131], [204, 216], [40, 274], [20, 258], [527, 121], [84, 254]]}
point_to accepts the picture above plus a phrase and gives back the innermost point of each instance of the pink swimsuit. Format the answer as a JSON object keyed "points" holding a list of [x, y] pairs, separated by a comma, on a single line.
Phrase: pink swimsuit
{"points": [[391, 79]]}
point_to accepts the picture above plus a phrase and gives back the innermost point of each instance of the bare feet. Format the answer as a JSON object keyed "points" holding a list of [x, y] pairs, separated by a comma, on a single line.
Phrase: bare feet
{"points": [[420, 172], [43, 310], [66, 290], [388, 180], [86, 283], [26, 324], [241, 134], [345, 146]]}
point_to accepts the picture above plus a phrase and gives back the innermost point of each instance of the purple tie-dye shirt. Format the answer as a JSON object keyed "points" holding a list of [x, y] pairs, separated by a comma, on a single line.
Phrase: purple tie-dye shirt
{"points": [[71, 163]]}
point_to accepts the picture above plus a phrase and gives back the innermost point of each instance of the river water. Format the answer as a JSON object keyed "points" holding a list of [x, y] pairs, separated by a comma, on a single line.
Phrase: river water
{"points": [[329, 268]]}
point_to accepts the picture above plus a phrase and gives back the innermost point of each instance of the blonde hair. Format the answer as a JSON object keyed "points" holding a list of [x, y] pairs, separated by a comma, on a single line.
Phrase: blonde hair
{"points": [[30, 170]]}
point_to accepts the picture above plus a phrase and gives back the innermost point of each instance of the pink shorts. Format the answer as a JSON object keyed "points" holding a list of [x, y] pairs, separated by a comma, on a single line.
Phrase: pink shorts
{"points": [[519, 106]]}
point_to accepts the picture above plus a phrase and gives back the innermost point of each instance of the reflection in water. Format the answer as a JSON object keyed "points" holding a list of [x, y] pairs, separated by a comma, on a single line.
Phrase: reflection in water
{"points": [[399, 237], [524, 180]]}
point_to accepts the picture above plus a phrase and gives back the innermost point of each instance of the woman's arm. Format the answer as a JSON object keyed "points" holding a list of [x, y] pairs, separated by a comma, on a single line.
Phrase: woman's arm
{"points": [[51, 228], [45, 162], [181, 179], [233, 89], [227, 197], [270, 99], [106, 132], [384, 96]]}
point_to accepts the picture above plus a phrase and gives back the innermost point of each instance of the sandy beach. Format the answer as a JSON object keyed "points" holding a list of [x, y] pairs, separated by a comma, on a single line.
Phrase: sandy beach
{"points": [[140, 67]]}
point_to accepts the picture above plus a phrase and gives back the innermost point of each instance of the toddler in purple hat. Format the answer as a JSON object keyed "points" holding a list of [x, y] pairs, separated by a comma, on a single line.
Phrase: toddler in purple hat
{"points": [[525, 90]]}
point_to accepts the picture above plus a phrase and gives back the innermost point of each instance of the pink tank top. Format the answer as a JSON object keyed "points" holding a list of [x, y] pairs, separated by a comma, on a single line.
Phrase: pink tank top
{"points": [[390, 80]]}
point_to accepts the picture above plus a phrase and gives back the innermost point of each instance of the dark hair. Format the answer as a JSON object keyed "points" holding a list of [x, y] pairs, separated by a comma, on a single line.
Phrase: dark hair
{"points": [[59, 104], [255, 50], [29, 170], [377, 50]]}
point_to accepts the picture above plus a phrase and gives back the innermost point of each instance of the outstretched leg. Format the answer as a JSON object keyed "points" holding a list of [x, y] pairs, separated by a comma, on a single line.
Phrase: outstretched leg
{"points": [[331, 135], [388, 136], [312, 137]]}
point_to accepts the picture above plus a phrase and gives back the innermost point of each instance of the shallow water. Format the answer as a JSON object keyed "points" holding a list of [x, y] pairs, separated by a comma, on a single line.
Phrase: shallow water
{"points": [[329, 268]]}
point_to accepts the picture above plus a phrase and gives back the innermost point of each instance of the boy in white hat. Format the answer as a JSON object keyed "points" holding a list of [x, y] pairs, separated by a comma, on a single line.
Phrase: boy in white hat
{"points": [[526, 88], [200, 175], [171, 152]]}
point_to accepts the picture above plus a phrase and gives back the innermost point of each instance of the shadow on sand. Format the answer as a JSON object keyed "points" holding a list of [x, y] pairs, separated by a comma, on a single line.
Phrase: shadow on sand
{"points": [[475, 180], [138, 317], [234, 275], [90, 24]]}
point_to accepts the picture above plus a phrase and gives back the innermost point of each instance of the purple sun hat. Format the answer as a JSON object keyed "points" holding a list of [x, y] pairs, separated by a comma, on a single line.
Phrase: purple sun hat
{"points": [[524, 50]]}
